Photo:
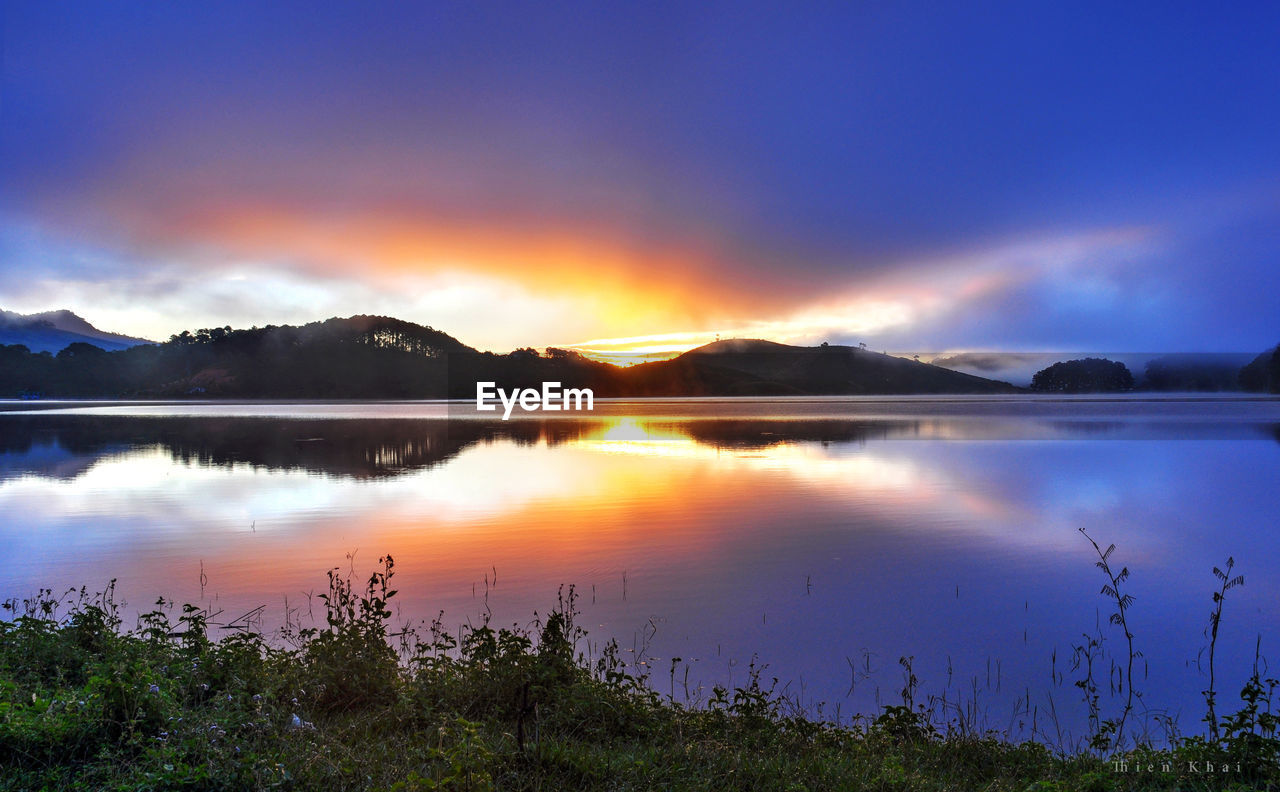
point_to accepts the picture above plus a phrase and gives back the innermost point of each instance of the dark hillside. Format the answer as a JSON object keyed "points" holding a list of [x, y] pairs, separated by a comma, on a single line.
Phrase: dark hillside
{"points": [[837, 370], [1263, 373], [375, 357]]}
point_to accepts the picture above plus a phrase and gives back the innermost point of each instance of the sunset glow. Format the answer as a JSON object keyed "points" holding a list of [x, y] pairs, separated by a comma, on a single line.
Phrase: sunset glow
{"points": [[741, 394], [633, 184]]}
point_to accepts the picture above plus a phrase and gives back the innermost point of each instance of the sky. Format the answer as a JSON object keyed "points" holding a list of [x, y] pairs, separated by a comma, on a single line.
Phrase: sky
{"points": [[644, 177]]}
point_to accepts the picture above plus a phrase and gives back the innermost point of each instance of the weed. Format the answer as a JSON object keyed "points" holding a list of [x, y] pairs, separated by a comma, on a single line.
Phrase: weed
{"points": [[1111, 732], [88, 704], [1215, 620]]}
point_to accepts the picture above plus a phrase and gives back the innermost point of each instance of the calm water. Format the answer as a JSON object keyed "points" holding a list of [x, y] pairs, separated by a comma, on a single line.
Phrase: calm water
{"points": [[826, 537]]}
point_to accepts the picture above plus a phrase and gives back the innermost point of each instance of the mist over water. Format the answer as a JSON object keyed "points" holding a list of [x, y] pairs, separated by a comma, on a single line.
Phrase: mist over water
{"points": [[826, 538]]}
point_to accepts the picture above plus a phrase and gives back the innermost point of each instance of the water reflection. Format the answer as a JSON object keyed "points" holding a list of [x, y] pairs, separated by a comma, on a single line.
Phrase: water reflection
{"points": [[66, 445], [358, 449], [806, 540]]}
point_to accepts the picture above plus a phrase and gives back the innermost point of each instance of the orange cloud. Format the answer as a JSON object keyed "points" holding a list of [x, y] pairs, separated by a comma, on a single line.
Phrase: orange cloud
{"points": [[561, 282], [622, 282]]}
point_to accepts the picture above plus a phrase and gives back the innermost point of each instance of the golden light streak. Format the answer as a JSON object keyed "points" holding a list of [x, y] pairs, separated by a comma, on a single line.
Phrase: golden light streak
{"points": [[633, 298]]}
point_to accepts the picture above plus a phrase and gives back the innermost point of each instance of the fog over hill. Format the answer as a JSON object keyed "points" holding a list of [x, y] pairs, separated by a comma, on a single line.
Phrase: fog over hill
{"points": [[383, 357], [377, 357], [53, 331], [1019, 367]]}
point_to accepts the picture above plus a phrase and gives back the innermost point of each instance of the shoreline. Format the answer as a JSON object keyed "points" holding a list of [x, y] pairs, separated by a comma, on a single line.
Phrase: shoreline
{"points": [[351, 704]]}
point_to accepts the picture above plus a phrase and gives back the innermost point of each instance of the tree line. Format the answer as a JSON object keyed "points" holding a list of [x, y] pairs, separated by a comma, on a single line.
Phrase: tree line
{"points": [[373, 357], [364, 356], [1168, 373]]}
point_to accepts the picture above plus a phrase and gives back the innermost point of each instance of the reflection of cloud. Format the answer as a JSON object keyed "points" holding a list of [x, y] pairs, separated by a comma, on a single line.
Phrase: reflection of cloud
{"points": [[497, 482], [954, 467], [809, 462], [698, 497]]}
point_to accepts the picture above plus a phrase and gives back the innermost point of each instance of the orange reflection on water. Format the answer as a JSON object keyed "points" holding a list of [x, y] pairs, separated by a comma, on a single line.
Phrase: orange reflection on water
{"points": [[562, 503], [798, 538], [628, 495]]}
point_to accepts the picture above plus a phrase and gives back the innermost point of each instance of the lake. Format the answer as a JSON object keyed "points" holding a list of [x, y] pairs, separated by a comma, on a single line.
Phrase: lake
{"points": [[824, 539]]}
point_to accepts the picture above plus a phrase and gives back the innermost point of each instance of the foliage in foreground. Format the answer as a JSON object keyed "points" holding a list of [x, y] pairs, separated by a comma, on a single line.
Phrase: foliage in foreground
{"points": [[86, 704]]}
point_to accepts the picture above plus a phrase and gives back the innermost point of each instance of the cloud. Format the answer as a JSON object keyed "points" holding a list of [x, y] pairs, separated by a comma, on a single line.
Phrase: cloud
{"points": [[509, 286], [909, 178]]}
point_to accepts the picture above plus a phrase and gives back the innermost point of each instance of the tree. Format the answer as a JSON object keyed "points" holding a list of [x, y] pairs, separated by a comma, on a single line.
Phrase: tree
{"points": [[81, 350], [1090, 375]]}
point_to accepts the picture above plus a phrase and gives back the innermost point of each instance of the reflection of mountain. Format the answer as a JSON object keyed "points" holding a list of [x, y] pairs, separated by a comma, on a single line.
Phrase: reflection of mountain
{"points": [[359, 449], [45, 458], [65, 446], [748, 434]]}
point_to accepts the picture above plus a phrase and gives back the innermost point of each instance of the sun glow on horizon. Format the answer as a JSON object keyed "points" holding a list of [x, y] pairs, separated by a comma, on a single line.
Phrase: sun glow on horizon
{"points": [[264, 265], [857, 315]]}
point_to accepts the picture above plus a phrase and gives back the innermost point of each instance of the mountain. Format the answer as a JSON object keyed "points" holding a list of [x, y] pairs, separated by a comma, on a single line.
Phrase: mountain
{"points": [[1017, 367], [1212, 371], [1263, 372], [1194, 372], [358, 358], [53, 331], [830, 370], [377, 357], [738, 367]]}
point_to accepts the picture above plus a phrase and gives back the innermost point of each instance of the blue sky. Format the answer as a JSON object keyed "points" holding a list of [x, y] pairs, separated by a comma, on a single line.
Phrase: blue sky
{"points": [[917, 176]]}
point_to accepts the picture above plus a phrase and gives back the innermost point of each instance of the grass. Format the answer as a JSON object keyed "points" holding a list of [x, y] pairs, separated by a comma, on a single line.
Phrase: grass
{"points": [[355, 705]]}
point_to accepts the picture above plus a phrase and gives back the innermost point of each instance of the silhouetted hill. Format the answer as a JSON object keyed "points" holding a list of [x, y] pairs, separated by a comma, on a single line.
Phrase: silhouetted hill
{"points": [[374, 357], [1090, 375], [833, 370], [53, 331], [359, 357], [1193, 372], [1263, 372], [1176, 371]]}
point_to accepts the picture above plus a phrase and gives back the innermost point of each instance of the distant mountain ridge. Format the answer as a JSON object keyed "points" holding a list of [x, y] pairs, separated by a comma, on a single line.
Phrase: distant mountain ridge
{"points": [[836, 370], [1263, 372], [364, 357], [379, 357], [54, 331], [1211, 371]]}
